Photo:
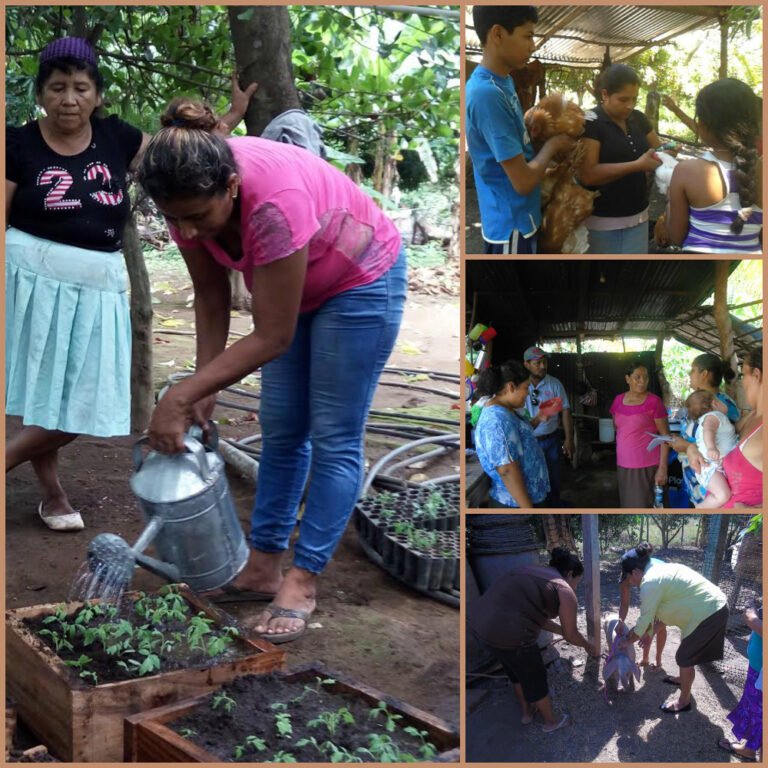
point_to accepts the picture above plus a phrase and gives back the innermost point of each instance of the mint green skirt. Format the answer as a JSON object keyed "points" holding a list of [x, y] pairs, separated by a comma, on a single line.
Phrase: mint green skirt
{"points": [[67, 337]]}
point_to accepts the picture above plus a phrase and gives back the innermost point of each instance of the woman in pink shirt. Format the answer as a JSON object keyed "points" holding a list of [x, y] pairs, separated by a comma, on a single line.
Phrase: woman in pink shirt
{"points": [[635, 413], [327, 275]]}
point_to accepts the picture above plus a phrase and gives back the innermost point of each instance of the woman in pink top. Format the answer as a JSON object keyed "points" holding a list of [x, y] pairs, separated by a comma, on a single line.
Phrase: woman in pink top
{"points": [[635, 413], [327, 276], [743, 466]]}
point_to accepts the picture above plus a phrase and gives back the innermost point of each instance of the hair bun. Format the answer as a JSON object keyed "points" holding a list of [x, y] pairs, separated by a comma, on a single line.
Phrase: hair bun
{"points": [[558, 553], [190, 115], [644, 549]]}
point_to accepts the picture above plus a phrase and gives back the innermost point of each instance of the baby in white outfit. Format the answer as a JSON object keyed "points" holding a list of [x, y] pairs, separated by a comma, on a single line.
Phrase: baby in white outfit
{"points": [[715, 439]]}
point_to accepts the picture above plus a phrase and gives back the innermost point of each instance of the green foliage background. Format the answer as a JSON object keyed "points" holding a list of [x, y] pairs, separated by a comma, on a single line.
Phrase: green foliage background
{"points": [[357, 68]]}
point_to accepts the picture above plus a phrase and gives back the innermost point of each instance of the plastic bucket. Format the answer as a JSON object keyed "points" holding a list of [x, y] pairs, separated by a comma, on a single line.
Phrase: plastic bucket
{"points": [[606, 430]]}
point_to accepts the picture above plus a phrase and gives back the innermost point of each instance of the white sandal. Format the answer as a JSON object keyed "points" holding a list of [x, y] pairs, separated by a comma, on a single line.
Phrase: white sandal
{"points": [[70, 522], [565, 721]]}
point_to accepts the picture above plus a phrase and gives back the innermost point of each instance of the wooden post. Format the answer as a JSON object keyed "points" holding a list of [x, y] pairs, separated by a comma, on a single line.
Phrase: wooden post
{"points": [[723, 319], [723, 45], [666, 390], [592, 578], [576, 407]]}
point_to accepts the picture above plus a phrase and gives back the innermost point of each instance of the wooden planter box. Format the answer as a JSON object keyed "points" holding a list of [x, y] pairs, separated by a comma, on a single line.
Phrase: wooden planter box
{"points": [[84, 723], [149, 740]]}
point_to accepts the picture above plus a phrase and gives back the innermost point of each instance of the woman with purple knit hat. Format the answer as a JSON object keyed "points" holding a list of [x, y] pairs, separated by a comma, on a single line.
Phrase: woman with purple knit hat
{"points": [[67, 334]]}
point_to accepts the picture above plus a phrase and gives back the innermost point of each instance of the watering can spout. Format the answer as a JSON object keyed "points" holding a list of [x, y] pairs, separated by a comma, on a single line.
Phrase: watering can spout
{"points": [[166, 571]]}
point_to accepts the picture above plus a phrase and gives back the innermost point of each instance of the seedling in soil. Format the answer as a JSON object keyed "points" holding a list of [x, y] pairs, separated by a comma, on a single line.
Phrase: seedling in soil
{"points": [[382, 749], [332, 720], [386, 501], [199, 626], [422, 540], [427, 749], [283, 724], [187, 733], [330, 750], [223, 701], [59, 643], [390, 718], [282, 757], [81, 664], [434, 505], [254, 742], [316, 689]]}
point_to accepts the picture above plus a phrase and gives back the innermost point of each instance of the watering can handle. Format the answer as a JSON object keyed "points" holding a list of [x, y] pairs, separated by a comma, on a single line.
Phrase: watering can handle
{"points": [[193, 444], [209, 439]]}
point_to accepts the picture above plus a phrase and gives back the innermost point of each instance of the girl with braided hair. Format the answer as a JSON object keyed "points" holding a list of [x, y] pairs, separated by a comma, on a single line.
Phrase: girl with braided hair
{"points": [[715, 202]]}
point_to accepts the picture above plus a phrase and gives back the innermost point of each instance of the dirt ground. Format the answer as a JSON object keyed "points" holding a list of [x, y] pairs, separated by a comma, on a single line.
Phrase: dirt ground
{"points": [[630, 728], [366, 624]]}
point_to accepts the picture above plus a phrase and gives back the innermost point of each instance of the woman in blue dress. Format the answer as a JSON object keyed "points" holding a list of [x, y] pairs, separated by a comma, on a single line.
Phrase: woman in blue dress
{"points": [[506, 447]]}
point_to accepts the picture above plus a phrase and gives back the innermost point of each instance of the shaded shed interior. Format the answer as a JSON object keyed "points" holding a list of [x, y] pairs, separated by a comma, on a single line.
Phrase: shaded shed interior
{"points": [[532, 302]]}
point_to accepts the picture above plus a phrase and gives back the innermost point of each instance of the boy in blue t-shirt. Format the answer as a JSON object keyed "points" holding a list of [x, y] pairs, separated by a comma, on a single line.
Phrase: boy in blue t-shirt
{"points": [[507, 174]]}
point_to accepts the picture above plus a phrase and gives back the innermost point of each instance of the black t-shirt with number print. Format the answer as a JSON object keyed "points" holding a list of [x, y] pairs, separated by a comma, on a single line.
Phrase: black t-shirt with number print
{"points": [[80, 200]]}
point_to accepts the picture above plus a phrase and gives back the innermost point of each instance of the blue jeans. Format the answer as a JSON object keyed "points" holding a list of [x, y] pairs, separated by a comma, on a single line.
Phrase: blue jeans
{"points": [[551, 447], [630, 240], [314, 404]]}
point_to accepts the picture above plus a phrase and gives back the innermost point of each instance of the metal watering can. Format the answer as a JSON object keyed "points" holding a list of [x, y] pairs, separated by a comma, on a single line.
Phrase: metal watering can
{"points": [[191, 519]]}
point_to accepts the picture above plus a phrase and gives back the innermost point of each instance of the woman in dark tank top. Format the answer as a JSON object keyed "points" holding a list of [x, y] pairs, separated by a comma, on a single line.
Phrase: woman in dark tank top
{"points": [[509, 616]]}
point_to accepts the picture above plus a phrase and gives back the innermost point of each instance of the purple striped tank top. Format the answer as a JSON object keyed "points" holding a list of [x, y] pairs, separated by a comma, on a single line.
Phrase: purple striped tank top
{"points": [[709, 229]]}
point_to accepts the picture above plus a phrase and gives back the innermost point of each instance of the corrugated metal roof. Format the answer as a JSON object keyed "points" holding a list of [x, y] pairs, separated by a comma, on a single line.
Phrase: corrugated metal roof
{"points": [[578, 35], [530, 301]]}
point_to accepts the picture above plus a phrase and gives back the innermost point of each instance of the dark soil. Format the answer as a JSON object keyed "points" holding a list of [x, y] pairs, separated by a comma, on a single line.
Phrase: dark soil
{"points": [[367, 624], [258, 704], [630, 728], [172, 649]]}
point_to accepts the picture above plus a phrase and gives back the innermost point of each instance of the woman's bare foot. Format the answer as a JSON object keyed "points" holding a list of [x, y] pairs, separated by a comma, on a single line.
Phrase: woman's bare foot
{"points": [[297, 592], [262, 573], [736, 748], [556, 726], [529, 713]]}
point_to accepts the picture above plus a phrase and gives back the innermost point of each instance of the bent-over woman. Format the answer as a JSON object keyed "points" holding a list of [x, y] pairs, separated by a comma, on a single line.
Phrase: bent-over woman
{"points": [[681, 597], [509, 616]]}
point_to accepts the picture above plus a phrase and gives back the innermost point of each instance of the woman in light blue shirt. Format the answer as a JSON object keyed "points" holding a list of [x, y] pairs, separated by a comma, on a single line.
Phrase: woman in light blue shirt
{"points": [[506, 447]]}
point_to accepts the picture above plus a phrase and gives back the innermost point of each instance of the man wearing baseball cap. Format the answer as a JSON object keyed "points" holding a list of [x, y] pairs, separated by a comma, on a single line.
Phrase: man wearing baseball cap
{"points": [[543, 387]]}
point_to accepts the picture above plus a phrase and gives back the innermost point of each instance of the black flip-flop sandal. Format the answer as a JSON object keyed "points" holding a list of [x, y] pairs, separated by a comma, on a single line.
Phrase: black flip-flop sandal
{"points": [[665, 708], [670, 681]]}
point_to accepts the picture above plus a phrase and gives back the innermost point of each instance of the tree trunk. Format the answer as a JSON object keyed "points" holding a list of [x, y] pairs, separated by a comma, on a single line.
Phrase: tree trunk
{"points": [[142, 387], [385, 167], [354, 170], [454, 247], [263, 53]]}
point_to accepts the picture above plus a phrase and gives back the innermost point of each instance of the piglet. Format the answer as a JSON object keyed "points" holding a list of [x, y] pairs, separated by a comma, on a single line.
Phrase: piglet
{"points": [[620, 665]]}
